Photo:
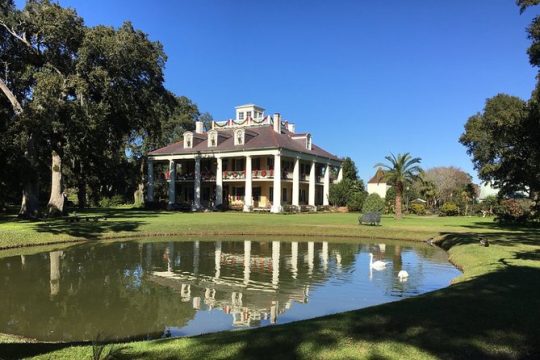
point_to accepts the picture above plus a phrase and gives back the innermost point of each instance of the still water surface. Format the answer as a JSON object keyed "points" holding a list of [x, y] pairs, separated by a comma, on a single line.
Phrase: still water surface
{"points": [[157, 289]]}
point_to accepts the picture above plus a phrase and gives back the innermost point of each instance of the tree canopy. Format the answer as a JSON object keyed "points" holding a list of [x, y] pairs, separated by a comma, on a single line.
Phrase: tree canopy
{"points": [[82, 103]]}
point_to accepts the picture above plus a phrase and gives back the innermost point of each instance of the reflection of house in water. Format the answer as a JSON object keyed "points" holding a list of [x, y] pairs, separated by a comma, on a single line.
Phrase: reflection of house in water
{"points": [[251, 281]]}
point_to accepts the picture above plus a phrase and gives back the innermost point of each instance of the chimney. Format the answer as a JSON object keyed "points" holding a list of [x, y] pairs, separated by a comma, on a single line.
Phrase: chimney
{"points": [[199, 127], [291, 128], [277, 123]]}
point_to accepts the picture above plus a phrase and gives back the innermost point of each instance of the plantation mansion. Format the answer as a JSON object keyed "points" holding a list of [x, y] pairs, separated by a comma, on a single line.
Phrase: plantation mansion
{"points": [[254, 162]]}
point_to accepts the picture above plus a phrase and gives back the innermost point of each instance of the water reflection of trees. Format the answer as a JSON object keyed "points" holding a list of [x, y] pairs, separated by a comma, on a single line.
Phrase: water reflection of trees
{"points": [[99, 292]]}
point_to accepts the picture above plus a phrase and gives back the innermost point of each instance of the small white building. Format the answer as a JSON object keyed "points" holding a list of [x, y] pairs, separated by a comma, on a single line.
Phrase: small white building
{"points": [[487, 190], [254, 161], [377, 184]]}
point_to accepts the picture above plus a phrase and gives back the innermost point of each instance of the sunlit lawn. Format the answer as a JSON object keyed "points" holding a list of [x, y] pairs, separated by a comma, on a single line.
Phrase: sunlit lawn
{"points": [[131, 223]]}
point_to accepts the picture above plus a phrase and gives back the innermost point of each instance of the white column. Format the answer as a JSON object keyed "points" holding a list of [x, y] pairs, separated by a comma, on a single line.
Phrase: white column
{"points": [[312, 184], [294, 258], [197, 183], [311, 255], [219, 181], [276, 201], [338, 260], [150, 182], [296, 183], [340, 174], [172, 183], [324, 255], [273, 312], [196, 256], [247, 261], [275, 263], [217, 259], [170, 257], [326, 185], [248, 186]]}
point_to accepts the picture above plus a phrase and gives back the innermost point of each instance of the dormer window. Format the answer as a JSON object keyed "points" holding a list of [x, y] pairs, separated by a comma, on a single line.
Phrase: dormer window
{"points": [[308, 141], [212, 138], [239, 137], [188, 140]]}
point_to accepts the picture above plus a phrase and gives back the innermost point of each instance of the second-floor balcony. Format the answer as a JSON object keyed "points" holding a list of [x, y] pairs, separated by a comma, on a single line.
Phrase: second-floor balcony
{"points": [[241, 174]]}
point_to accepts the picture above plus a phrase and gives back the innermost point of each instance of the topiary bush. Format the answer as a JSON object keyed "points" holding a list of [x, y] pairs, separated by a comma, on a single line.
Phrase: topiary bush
{"points": [[418, 209], [373, 203], [449, 209]]}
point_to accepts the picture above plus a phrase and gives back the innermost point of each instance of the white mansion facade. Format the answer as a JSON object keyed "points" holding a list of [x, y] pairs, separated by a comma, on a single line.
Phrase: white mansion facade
{"points": [[254, 162]]}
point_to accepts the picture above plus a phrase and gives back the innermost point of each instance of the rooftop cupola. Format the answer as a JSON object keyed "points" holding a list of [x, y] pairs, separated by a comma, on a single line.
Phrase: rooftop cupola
{"points": [[251, 111]]}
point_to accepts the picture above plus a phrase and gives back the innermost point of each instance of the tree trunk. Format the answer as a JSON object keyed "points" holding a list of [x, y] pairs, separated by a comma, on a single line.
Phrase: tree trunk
{"points": [[81, 184], [55, 207], [397, 259], [81, 193], [29, 202], [399, 195], [138, 195]]}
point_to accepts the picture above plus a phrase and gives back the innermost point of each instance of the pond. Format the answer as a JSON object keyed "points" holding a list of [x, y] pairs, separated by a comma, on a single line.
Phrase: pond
{"points": [[162, 288]]}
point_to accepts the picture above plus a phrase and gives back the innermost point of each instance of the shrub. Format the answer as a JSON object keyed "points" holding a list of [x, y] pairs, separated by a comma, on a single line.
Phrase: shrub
{"points": [[449, 209], [418, 209], [356, 201], [339, 193], [513, 210], [115, 200], [373, 203]]}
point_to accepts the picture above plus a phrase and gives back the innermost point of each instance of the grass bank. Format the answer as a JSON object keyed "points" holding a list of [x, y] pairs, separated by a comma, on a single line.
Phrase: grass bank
{"points": [[136, 223], [492, 311]]}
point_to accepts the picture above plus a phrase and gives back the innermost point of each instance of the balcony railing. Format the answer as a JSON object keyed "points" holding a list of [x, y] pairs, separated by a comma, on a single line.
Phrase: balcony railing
{"points": [[241, 174]]}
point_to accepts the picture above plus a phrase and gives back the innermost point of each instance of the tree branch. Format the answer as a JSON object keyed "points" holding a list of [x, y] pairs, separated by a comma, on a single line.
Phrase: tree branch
{"points": [[21, 38], [17, 108]]}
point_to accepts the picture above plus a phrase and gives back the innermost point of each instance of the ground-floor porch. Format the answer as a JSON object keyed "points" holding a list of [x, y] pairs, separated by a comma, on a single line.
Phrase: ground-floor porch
{"points": [[249, 182]]}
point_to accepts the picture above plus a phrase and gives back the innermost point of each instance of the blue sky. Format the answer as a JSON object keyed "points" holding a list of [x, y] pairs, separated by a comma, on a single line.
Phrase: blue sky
{"points": [[366, 78]]}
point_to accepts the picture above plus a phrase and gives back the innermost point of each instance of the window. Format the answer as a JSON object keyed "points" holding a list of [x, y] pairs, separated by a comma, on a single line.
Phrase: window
{"points": [[188, 140], [271, 194], [256, 164], [248, 114], [240, 116], [256, 192], [238, 164], [238, 193], [269, 163], [284, 195], [212, 138], [239, 137]]}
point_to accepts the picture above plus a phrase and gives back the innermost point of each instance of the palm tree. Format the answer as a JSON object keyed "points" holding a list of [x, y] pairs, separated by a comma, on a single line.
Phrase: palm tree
{"points": [[400, 170]]}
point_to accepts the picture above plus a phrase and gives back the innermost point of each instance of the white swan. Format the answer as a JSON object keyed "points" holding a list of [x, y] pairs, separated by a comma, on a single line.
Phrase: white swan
{"points": [[403, 275], [377, 265]]}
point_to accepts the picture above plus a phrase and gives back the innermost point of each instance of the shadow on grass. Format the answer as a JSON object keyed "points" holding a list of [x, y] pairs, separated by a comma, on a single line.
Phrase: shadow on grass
{"points": [[475, 319], [502, 238], [117, 220]]}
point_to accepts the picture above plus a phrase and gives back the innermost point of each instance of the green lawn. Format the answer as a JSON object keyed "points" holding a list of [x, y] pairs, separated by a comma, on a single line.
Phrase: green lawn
{"points": [[492, 310], [132, 223]]}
